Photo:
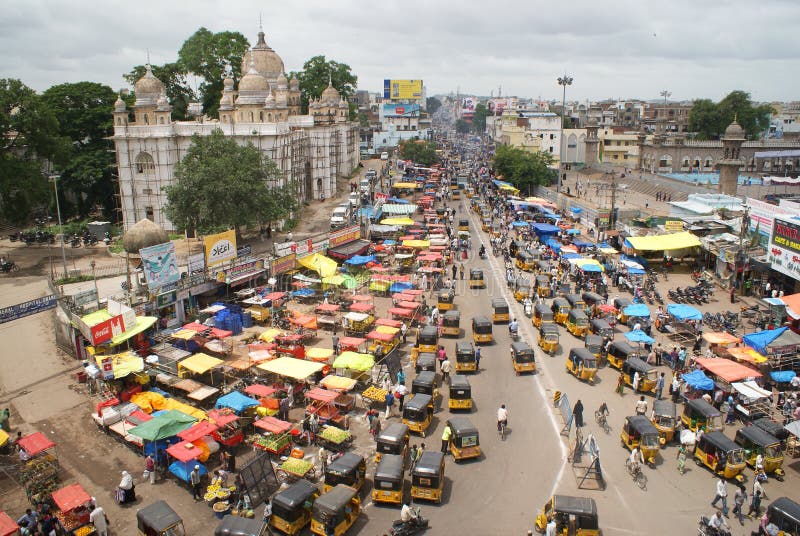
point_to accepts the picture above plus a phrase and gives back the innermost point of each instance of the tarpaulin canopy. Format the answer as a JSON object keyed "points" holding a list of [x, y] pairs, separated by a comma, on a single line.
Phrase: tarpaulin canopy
{"points": [[184, 451], [570, 256], [545, 228], [380, 336], [405, 185], [746, 354], [782, 376], [8, 527], [222, 417], [319, 263], [639, 336], [359, 260], [150, 401], [728, 370], [338, 383], [319, 354], [761, 339], [195, 432], [751, 390], [122, 364], [793, 428], [681, 311], [272, 425], [306, 321], [720, 337], [631, 264], [391, 322], [259, 390], [291, 367], [352, 341], [354, 361], [636, 309], [400, 221], [666, 242], [200, 363], [418, 244], [607, 250], [589, 265], [162, 426], [321, 395], [214, 332], [398, 209], [70, 497], [236, 401], [35, 443], [698, 380], [270, 334], [576, 210]]}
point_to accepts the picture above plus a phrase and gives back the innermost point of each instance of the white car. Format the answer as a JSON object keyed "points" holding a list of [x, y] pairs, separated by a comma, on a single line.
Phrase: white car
{"points": [[354, 199], [340, 216], [384, 156]]}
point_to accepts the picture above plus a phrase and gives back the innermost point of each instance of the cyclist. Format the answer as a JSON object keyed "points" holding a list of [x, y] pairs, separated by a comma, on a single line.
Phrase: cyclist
{"points": [[603, 410], [513, 328], [502, 417], [636, 459]]}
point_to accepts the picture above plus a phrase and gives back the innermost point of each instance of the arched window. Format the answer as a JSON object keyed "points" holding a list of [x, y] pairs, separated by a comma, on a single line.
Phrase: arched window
{"points": [[119, 121], [160, 120], [144, 164], [261, 116], [269, 117], [709, 162], [146, 120], [665, 161], [251, 117]]}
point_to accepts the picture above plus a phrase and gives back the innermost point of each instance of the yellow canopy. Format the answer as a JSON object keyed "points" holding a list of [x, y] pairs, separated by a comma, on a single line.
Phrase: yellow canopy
{"points": [[720, 337], [580, 263], [199, 363], [270, 334], [387, 329], [122, 364], [184, 334], [666, 242], [397, 221], [321, 264], [508, 188], [319, 353], [150, 402], [409, 185], [291, 367], [418, 244], [608, 251], [142, 323], [337, 383], [747, 354]]}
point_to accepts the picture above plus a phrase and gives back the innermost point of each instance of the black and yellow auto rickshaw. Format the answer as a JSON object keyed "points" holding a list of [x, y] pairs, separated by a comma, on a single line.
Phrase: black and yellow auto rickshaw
{"points": [[577, 322], [665, 419], [291, 508], [499, 310], [451, 323], [755, 441], [338, 508], [638, 431], [542, 314], [388, 482], [620, 304], [238, 526], [560, 308], [575, 301], [549, 338], [721, 455], [582, 364], [428, 340], [463, 225], [425, 361], [444, 300], [417, 413], [590, 299], [427, 478], [482, 330], [697, 413], [619, 352], [522, 289], [784, 513], [524, 261], [392, 440], [523, 358], [594, 343], [426, 383], [486, 224], [465, 357], [515, 247], [460, 393], [543, 268], [158, 519], [543, 286], [647, 374], [349, 469], [476, 278], [574, 516], [601, 327], [465, 441], [496, 231]]}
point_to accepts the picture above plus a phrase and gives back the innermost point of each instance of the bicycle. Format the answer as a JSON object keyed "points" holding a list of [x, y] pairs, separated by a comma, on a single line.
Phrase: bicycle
{"points": [[501, 429], [636, 474], [601, 419]]}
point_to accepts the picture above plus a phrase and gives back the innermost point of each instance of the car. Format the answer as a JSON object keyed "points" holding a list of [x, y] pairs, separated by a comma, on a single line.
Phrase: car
{"points": [[384, 156], [354, 199], [340, 215]]}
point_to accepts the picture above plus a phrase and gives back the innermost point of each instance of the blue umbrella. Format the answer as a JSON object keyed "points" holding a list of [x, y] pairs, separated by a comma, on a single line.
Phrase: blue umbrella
{"points": [[519, 224], [636, 309], [639, 336]]}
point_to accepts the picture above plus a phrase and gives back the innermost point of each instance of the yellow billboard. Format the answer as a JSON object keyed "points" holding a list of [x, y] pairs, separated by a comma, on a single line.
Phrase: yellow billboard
{"points": [[402, 89], [220, 247]]}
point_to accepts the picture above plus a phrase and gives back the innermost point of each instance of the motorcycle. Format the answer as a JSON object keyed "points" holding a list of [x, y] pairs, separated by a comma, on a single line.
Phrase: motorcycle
{"points": [[482, 253], [415, 525], [528, 307], [705, 529], [6, 267]]}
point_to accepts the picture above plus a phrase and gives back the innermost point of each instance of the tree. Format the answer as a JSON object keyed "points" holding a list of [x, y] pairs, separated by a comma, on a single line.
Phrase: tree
{"points": [[173, 76], [432, 104], [317, 73], [709, 120], [221, 184], [463, 126], [479, 118], [522, 168], [29, 132], [419, 151]]}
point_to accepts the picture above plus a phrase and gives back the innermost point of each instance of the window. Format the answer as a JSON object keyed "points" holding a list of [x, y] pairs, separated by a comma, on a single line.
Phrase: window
{"points": [[551, 148], [144, 164], [615, 157], [149, 213], [147, 191], [552, 136]]}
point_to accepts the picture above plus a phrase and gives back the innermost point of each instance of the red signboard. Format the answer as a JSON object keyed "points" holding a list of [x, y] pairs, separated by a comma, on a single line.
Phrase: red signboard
{"points": [[283, 264], [343, 236], [105, 330]]}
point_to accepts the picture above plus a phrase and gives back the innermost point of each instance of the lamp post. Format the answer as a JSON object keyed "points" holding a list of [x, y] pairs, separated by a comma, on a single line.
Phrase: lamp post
{"points": [[666, 94], [55, 178], [563, 81], [94, 277]]}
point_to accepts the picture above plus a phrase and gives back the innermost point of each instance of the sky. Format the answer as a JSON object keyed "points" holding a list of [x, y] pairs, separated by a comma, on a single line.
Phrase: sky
{"points": [[612, 49]]}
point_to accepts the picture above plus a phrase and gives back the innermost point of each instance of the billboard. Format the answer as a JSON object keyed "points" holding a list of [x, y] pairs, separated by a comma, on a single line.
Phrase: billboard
{"points": [[160, 264], [496, 106], [468, 105], [402, 89], [220, 247], [784, 248], [401, 110]]}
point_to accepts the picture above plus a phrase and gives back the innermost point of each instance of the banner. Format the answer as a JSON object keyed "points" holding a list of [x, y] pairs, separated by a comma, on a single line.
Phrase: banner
{"points": [[673, 225], [784, 249], [402, 89], [343, 236], [220, 247], [160, 265], [283, 264], [13, 312]]}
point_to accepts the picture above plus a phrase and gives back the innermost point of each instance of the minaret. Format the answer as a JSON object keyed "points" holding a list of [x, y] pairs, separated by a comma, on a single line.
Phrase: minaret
{"points": [[731, 161]]}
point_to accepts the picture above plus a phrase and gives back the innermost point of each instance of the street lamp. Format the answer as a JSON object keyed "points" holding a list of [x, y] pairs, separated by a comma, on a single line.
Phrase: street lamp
{"points": [[55, 178], [666, 94], [563, 81]]}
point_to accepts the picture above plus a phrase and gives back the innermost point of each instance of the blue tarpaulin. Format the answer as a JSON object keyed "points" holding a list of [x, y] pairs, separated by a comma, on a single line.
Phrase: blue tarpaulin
{"points": [[591, 268], [581, 243], [398, 201], [639, 336], [681, 311], [576, 210], [573, 232], [570, 255], [544, 228], [359, 260], [236, 401], [502, 183], [759, 340], [697, 380], [554, 244], [519, 224], [636, 309], [634, 258], [303, 292], [782, 376], [182, 469], [400, 287], [635, 271]]}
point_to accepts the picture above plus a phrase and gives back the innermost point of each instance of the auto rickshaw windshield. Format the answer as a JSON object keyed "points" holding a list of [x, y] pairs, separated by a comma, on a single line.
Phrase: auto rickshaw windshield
{"points": [[772, 451], [650, 441], [735, 457], [664, 421]]}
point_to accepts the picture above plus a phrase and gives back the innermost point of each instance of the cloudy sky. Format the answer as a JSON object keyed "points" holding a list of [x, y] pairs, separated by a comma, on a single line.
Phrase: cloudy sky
{"points": [[616, 48]]}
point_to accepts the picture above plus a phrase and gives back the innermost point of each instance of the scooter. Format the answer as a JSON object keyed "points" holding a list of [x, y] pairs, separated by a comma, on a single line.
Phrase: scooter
{"points": [[416, 525], [528, 307]]}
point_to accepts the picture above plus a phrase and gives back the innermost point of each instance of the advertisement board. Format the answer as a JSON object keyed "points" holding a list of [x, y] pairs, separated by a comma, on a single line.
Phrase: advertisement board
{"points": [[160, 265], [343, 236], [496, 106], [402, 89], [673, 225], [468, 105], [282, 265], [783, 252], [13, 312], [303, 247], [220, 247], [762, 215], [400, 110]]}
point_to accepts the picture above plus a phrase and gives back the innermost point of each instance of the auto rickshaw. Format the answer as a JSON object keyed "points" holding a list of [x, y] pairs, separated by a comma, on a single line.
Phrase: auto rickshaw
{"points": [[476, 278], [785, 514], [159, 519], [523, 358], [482, 330], [349, 470], [392, 440], [486, 224], [542, 314], [465, 442], [594, 344], [496, 230], [522, 289], [590, 299], [543, 286], [665, 419], [425, 383], [756, 441], [428, 340], [417, 413], [241, 526], [463, 225], [647, 374], [698, 413], [291, 508], [427, 478], [445, 299], [425, 361], [560, 308], [524, 261], [465, 357], [721, 455], [771, 427], [638, 431], [574, 516], [388, 482], [575, 301], [582, 364], [338, 507], [548, 338], [451, 323], [620, 304], [515, 247], [499, 310], [601, 327], [619, 352], [543, 268], [460, 393], [577, 322]]}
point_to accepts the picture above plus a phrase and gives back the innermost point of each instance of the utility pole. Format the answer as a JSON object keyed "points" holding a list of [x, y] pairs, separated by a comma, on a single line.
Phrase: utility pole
{"points": [[55, 178], [612, 219], [740, 255], [563, 81], [666, 94]]}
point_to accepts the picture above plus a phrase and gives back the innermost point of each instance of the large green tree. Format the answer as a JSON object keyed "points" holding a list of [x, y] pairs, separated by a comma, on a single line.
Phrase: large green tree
{"points": [[523, 169], [479, 118], [221, 184], [316, 74], [29, 134], [419, 152], [709, 120], [432, 104]]}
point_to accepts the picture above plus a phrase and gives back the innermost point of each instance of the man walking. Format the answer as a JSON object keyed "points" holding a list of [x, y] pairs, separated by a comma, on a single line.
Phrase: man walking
{"points": [[194, 480], [722, 494], [446, 368], [98, 518], [446, 435], [739, 500], [477, 359], [659, 386]]}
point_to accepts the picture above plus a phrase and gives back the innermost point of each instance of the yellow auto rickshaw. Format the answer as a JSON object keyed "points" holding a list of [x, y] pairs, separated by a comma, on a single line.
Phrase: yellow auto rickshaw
{"points": [[515, 247], [542, 314], [574, 516], [486, 224], [349, 469], [338, 508], [499, 310], [620, 304], [428, 340], [463, 225], [482, 330], [496, 231], [548, 338], [451, 323], [524, 261], [417, 413], [647, 375], [456, 194], [426, 383], [755, 441], [575, 301], [291, 508], [619, 352], [785, 514], [560, 308], [577, 322], [465, 357], [638, 431], [445, 299], [464, 442], [665, 419], [543, 286], [543, 268], [601, 327], [476, 278], [427, 478], [697, 413], [388, 482], [425, 361], [460, 393], [721, 455], [582, 364], [392, 440], [522, 289], [523, 358], [594, 344]]}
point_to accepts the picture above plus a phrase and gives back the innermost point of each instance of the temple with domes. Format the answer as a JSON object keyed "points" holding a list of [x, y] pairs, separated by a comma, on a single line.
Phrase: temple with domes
{"points": [[263, 109]]}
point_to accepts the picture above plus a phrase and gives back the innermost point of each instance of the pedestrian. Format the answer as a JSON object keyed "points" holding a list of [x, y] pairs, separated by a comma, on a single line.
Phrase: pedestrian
{"points": [[412, 456], [447, 433], [401, 377], [194, 480], [755, 502], [636, 378], [283, 409], [733, 294], [30, 519], [739, 500], [322, 458], [447, 367], [400, 393], [659, 386], [641, 406], [675, 388], [441, 355], [4, 420], [461, 271], [389, 400], [230, 461], [375, 428], [455, 271], [681, 456], [477, 359], [621, 384], [730, 416], [313, 425], [404, 331], [150, 468], [577, 410], [335, 343], [658, 351], [722, 495]]}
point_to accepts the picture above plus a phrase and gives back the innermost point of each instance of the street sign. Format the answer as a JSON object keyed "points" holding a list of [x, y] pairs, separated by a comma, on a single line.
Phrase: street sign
{"points": [[84, 297], [20, 310]]}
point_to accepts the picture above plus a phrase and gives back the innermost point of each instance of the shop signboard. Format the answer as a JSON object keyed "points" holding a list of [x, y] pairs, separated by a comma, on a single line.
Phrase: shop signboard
{"points": [[168, 298], [283, 264], [107, 366], [196, 263], [107, 330], [220, 248], [303, 247], [343, 236], [673, 225], [783, 252], [160, 265], [13, 312], [240, 269]]}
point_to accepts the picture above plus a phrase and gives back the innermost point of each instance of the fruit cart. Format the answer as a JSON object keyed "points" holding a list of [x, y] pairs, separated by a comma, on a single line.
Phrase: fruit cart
{"points": [[333, 438], [321, 403], [38, 472], [290, 345], [278, 437], [228, 432], [293, 469], [72, 510], [373, 396]]}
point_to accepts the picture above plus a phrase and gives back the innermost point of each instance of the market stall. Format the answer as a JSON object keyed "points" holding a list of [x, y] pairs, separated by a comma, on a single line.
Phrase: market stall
{"points": [[321, 404], [39, 469], [186, 456], [72, 510], [201, 435], [199, 364], [8, 527], [275, 438], [288, 367]]}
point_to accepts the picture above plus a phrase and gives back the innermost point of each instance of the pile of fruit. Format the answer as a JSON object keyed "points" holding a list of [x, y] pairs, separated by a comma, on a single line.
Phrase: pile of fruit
{"points": [[335, 435], [296, 466], [215, 492], [84, 530], [273, 443], [374, 393], [222, 506]]}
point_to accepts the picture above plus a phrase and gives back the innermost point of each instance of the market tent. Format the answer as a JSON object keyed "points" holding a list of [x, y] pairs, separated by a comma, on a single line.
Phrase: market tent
{"points": [[184, 451], [320, 355], [35, 443], [236, 401], [150, 401], [666, 242], [637, 310], [589, 265], [554, 244], [143, 323], [405, 185], [792, 302], [751, 390], [570, 256], [728, 370], [697, 380], [398, 209], [124, 363], [270, 334], [681, 311], [631, 264], [321, 395], [199, 363], [417, 244], [793, 428], [215, 332], [70, 497], [782, 376], [746, 354], [354, 361], [338, 383], [545, 228], [8, 527], [359, 260], [760, 340], [162, 426], [259, 390], [639, 336], [788, 339], [720, 337], [197, 431], [291, 367], [319, 263], [401, 221]]}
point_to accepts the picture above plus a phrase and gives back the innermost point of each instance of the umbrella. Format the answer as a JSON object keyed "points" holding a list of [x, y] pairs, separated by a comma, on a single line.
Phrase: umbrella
{"points": [[639, 336]]}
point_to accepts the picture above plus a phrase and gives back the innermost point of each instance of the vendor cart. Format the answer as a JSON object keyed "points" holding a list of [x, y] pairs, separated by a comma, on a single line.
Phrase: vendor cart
{"points": [[334, 438], [357, 324], [39, 470], [373, 396], [277, 435], [321, 403], [228, 432], [294, 469], [72, 510], [290, 345]]}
